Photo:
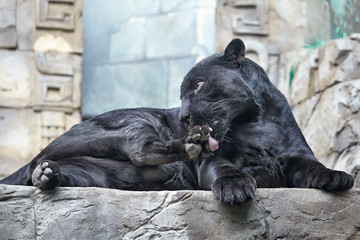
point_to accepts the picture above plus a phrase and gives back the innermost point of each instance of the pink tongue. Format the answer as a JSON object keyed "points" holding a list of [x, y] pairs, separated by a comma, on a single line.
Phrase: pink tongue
{"points": [[213, 143]]}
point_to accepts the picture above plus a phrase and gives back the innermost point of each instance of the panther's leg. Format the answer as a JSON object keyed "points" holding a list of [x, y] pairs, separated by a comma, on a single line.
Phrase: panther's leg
{"points": [[108, 173], [229, 183], [70, 172], [155, 150], [308, 173]]}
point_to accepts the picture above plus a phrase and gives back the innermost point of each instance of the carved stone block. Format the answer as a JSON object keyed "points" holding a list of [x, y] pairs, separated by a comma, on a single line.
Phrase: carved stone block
{"points": [[52, 126], [16, 78], [276, 23], [63, 91], [251, 17], [55, 17], [257, 51], [8, 36], [7, 13], [20, 131], [53, 93], [57, 63], [56, 27]]}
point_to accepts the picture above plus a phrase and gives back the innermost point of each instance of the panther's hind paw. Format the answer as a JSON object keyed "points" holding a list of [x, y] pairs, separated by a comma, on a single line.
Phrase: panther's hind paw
{"points": [[46, 175]]}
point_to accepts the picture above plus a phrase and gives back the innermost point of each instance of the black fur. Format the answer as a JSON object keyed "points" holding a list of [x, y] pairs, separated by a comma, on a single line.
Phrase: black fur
{"points": [[227, 96], [137, 149]]}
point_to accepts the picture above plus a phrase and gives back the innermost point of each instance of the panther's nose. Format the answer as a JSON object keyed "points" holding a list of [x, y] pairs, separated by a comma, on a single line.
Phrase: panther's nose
{"points": [[185, 117]]}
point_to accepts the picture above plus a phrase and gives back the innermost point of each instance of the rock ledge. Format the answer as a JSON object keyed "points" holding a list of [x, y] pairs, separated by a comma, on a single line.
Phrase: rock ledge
{"points": [[95, 213]]}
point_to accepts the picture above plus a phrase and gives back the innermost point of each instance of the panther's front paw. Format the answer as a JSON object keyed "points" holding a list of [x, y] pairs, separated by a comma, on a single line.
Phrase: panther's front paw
{"points": [[46, 175], [331, 180], [197, 142], [193, 150], [234, 190]]}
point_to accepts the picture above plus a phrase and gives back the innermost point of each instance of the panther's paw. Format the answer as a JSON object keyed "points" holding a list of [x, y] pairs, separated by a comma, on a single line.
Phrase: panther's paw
{"points": [[193, 150], [331, 180], [197, 142], [46, 175], [234, 190], [199, 134]]}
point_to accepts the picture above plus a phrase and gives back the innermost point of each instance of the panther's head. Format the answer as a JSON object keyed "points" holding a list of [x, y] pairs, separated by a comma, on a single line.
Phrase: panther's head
{"points": [[216, 92]]}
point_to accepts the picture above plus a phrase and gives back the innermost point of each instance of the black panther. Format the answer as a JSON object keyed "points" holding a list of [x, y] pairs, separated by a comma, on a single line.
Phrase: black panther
{"points": [[233, 133]]}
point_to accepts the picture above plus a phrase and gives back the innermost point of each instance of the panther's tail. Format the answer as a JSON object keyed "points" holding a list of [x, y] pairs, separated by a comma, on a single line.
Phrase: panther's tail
{"points": [[20, 177]]}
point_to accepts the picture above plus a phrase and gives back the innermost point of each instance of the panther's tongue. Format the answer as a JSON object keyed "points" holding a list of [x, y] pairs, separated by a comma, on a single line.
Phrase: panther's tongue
{"points": [[213, 143]]}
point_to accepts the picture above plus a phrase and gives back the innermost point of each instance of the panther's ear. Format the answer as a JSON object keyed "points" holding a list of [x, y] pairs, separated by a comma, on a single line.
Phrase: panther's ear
{"points": [[235, 51]]}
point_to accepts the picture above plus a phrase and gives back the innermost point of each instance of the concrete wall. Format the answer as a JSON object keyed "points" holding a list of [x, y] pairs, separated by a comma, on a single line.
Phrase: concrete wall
{"points": [[137, 52]]}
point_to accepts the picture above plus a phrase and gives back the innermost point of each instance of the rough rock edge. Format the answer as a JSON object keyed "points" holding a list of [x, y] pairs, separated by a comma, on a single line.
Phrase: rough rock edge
{"points": [[95, 213]]}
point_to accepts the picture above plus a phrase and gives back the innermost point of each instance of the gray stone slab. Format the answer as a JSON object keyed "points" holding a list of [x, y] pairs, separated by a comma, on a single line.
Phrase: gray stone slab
{"points": [[125, 85], [7, 13], [178, 68], [172, 35], [146, 7], [17, 78], [8, 38], [25, 19], [177, 5], [40, 25], [128, 43], [206, 33], [20, 136], [180, 5], [94, 213], [100, 21]]}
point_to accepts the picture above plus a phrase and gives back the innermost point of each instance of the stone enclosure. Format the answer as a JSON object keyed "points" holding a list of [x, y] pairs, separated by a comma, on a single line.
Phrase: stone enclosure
{"points": [[40, 97]]}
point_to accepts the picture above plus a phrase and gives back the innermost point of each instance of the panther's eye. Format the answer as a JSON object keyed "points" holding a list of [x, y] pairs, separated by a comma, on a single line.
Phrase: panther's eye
{"points": [[198, 86]]}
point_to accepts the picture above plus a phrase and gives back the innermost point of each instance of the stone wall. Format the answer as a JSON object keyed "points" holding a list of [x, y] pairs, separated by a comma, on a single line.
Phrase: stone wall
{"points": [[321, 85], [325, 97], [267, 27], [137, 52], [40, 72], [94, 213]]}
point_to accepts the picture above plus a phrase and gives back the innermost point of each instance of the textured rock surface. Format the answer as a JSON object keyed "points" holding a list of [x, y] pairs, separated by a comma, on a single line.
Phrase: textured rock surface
{"points": [[321, 84], [325, 98], [93, 213]]}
